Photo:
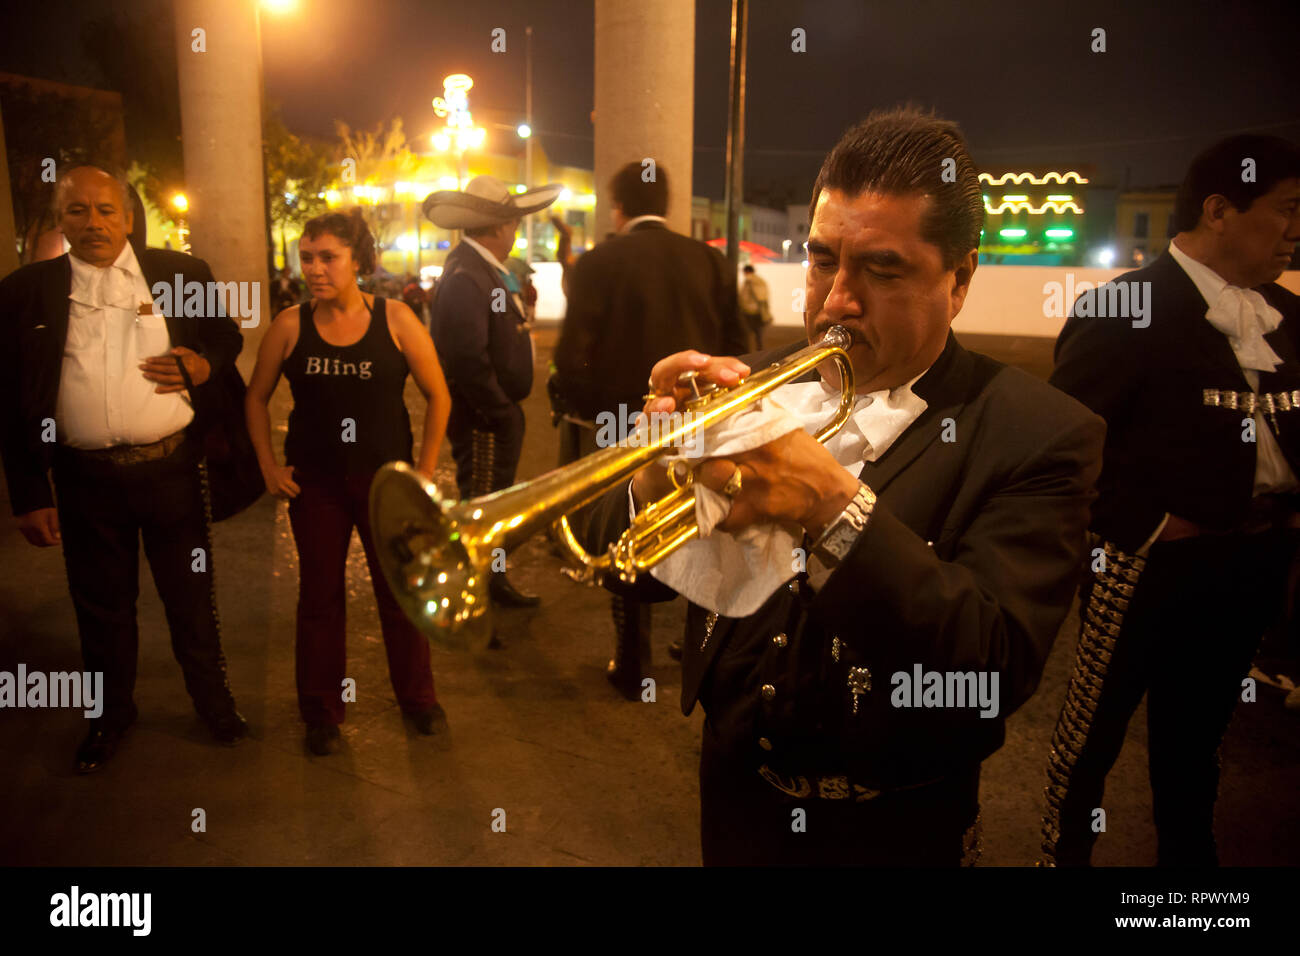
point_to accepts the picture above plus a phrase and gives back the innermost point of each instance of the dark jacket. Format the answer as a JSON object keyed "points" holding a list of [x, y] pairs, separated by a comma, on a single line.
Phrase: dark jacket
{"points": [[969, 563], [34, 309], [1166, 449], [632, 300], [486, 354]]}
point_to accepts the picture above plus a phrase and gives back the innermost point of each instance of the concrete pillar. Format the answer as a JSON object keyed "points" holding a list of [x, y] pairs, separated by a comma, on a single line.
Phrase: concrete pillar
{"points": [[645, 98], [221, 133]]}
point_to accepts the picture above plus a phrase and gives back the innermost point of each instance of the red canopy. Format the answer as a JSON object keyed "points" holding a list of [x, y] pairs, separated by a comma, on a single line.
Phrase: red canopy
{"points": [[753, 248]]}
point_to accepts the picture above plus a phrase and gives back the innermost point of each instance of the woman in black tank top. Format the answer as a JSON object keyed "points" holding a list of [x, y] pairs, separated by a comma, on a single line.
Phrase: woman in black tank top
{"points": [[346, 356]]}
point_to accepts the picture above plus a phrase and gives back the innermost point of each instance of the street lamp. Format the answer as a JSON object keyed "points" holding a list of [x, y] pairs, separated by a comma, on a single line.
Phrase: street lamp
{"points": [[460, 134], [181, 203]]}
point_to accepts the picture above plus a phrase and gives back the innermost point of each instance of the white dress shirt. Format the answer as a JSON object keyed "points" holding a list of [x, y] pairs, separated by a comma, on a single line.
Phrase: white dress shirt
{"points": [[496, 263], [104, 398], [637, 220], [1272, 472]]}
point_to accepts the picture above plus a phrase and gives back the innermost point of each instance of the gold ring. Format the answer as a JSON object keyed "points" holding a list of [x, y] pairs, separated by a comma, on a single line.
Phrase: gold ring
{"points": [[732, 487]]}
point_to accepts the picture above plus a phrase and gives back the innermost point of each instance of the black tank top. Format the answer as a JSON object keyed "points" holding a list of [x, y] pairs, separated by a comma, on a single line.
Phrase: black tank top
{"points": [[348, 415]]}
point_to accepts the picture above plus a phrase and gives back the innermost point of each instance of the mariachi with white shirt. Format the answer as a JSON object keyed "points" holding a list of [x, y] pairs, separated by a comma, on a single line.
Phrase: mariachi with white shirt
{"points": [[126, 459], [1202, 406]]}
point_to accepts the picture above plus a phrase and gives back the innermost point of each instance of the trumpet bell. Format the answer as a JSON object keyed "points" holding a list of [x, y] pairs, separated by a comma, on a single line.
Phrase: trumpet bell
{"points": [[430, 565]]}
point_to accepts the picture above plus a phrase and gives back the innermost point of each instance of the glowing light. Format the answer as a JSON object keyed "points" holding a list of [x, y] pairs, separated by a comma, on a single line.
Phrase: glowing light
{"points": [[1013, 233], [1029, 207], [1019, 178], [521, 243], [1015, 199], [1059, 233], [1106, 256], [448, 182], [280, 6], [521, 188], [524, 131], [1059, 198], [566, 194], [406, 242], [180, 203], [441, 142]]}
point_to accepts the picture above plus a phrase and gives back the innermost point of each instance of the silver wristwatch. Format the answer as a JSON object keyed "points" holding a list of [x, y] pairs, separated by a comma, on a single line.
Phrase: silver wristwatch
{"points": [[839, 536]]}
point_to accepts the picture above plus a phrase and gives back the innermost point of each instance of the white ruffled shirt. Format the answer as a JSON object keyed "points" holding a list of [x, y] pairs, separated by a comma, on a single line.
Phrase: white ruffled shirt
{"points": [[734, 575], [104, 399]]}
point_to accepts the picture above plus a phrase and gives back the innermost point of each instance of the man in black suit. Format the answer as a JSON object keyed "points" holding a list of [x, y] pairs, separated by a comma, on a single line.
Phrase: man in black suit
{"points": [[943, 529], [93, 393], [484, 341], [1195, 524], [643, 293]]}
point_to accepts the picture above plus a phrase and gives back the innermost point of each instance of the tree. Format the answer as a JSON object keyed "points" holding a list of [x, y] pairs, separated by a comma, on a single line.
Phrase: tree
{"points": [[381, 156], [135, 51], [297, 174], [40, 127]]}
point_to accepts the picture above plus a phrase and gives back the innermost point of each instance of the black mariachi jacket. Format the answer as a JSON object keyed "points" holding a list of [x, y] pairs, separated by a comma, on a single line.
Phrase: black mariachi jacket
{"points": [[633, 299], [1174, 437], [968, 563], [34, 308], [486, 355]]}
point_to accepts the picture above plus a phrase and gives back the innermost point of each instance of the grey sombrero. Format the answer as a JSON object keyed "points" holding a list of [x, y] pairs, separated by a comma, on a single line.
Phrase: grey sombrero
{"points": [[486, 201]]}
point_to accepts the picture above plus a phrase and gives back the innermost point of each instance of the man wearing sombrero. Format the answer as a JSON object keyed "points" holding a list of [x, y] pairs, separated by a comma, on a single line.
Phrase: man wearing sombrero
{"points": [[483, 341]]}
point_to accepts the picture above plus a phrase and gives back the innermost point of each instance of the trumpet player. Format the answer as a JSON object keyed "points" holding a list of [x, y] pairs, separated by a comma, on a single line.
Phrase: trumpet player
{"points": [[938, 538]]}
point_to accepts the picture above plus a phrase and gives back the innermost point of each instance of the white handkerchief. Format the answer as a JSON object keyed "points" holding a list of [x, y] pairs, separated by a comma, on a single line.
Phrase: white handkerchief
{"points": [[734, 575]]}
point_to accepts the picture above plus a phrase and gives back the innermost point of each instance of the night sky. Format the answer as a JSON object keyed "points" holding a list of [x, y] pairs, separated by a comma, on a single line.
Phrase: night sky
{"points": [[1019, 76]]}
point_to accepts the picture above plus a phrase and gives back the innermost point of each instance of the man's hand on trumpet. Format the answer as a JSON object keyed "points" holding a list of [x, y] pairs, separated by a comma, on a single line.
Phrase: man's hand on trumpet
{"points": [[793, 478]]}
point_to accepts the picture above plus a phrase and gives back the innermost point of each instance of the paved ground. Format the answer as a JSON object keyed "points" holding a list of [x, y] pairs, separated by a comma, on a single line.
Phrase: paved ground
{"points": [[582, 776]]}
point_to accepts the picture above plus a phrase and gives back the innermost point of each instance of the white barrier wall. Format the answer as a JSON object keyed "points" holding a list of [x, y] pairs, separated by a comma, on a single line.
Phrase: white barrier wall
{"points": [[1003, 300]]}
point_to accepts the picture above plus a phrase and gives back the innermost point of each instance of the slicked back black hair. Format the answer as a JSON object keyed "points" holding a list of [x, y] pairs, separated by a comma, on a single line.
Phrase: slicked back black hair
{"points": [[905, 151]]}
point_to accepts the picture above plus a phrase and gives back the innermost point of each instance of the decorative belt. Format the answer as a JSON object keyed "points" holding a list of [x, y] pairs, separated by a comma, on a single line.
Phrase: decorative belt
{"points": [[1249, 402], [831, 786], [133, 454]]}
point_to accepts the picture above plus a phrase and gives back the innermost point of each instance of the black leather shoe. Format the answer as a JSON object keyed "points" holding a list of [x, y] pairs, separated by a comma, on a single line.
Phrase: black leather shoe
{"points": [[229, 729], [98, 747], [322, 739], [675, 650], [631, 645], [625, 680], [507, 595], [429, 722]]}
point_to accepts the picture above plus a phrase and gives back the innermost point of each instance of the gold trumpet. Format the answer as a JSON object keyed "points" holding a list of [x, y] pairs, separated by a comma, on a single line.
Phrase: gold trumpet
{"points": [[437, 554]]}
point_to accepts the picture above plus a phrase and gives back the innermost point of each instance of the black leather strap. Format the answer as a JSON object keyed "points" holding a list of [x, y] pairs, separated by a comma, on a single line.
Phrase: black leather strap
{"points": [[185, 375]]}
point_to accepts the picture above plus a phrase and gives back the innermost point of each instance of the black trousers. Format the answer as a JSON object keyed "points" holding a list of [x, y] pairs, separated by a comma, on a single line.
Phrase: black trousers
{"points": [[485, 459], [746, 821], [105, 510], [1187, 639]]}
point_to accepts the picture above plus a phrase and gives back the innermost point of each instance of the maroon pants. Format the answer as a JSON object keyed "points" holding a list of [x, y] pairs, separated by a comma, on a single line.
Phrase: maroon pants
{"points": [[322, 517]]}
